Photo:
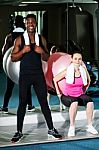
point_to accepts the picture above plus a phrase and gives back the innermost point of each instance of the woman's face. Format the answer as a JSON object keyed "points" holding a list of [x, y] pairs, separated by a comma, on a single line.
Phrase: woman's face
{"points": [[77, 59]]}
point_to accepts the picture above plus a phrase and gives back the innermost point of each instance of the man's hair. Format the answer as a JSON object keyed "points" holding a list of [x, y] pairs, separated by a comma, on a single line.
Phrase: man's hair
{"points": [[31, 16], [19, 21]]}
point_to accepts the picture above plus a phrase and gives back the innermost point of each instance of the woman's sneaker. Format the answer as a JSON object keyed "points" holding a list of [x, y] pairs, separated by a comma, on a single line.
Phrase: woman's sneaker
{"points": [[71, 131], [92, 130], [53, 134], [17, 137]]}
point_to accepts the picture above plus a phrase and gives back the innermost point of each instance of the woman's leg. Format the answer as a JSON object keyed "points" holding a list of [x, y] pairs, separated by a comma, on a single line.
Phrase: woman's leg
{"points": [[72, 103], [89, 112], [87, 101], [72, 115], [73, 112]]}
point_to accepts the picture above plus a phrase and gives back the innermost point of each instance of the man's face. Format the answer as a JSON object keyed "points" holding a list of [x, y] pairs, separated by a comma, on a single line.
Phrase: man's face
{"points": [[30, 25]]}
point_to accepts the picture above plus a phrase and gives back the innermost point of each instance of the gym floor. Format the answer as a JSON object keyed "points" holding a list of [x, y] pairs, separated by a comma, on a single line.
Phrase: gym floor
{"points": [[35, 129]]}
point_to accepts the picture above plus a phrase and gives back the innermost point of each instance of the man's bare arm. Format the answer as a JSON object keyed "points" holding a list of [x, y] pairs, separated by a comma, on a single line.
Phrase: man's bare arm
{"points": [[7, 44], [45, 53], [17, 54]]}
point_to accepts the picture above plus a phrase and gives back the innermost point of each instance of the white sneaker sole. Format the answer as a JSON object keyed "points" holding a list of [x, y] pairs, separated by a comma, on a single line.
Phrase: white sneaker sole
{"points": [[4, 112], [94, 133], [51, 137], [32, 110]]}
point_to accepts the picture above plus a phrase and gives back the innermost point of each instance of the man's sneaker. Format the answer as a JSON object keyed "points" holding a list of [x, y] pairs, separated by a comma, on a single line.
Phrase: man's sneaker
{"points": [[0, 110], [92, 130], [17, 137], [71, 131], [54, 134], [31, 108], [4, 110]]}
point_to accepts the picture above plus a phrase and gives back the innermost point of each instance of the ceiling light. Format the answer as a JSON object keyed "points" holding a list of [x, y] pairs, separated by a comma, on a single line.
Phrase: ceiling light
{"points": [[23, 5], [27, 2]]}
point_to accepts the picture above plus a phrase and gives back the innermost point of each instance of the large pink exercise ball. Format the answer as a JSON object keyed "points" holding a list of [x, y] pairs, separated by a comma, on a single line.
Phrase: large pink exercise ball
{"points": [[57, 62], [49, 75], [61, 64]]}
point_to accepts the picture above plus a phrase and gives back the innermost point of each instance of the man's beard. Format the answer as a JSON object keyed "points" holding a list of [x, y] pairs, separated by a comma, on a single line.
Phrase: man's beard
{"points": [[31, 31]]}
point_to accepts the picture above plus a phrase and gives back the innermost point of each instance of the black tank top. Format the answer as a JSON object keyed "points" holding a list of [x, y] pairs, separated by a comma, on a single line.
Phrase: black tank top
{"points": [[31, 62]]}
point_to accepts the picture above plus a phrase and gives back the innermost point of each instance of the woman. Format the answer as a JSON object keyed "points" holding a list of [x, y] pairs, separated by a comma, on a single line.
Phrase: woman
{"points": [[77, 83]]}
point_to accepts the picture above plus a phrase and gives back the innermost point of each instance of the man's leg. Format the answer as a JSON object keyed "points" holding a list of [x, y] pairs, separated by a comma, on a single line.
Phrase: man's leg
{"points": [[41, 91]]}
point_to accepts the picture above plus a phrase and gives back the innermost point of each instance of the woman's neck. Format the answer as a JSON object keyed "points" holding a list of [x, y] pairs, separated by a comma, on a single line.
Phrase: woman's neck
{"points": [[77, 72]]}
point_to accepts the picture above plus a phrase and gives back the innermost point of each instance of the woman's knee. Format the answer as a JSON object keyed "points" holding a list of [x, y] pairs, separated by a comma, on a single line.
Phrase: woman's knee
{"points": [[65, 100], [74, 104], [90, 104]]}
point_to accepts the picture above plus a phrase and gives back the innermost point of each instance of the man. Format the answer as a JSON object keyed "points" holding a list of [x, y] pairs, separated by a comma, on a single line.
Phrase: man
{"points": [[31, 73], [9, 41]]}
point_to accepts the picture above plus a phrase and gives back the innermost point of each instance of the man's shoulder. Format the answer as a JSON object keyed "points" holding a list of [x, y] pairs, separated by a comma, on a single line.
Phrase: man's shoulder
{"points": [[9, 35], [41, 37]]}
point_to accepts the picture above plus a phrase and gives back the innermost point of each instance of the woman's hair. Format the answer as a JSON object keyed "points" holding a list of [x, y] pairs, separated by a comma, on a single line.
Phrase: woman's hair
{"points": [[79, 52], [74, 48]]}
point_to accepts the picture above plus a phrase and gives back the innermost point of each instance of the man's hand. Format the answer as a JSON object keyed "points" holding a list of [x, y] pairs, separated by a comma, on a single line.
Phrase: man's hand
{"points": [[26, 49], [38, 49]]}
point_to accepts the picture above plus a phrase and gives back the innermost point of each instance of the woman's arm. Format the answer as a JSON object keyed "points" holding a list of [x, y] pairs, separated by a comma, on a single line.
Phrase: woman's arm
{"points": [[88, 79], [58, 78]]}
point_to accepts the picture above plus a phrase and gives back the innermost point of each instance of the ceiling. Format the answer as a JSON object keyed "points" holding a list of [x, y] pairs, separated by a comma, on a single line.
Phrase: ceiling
{"points": [[19, 2]]}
